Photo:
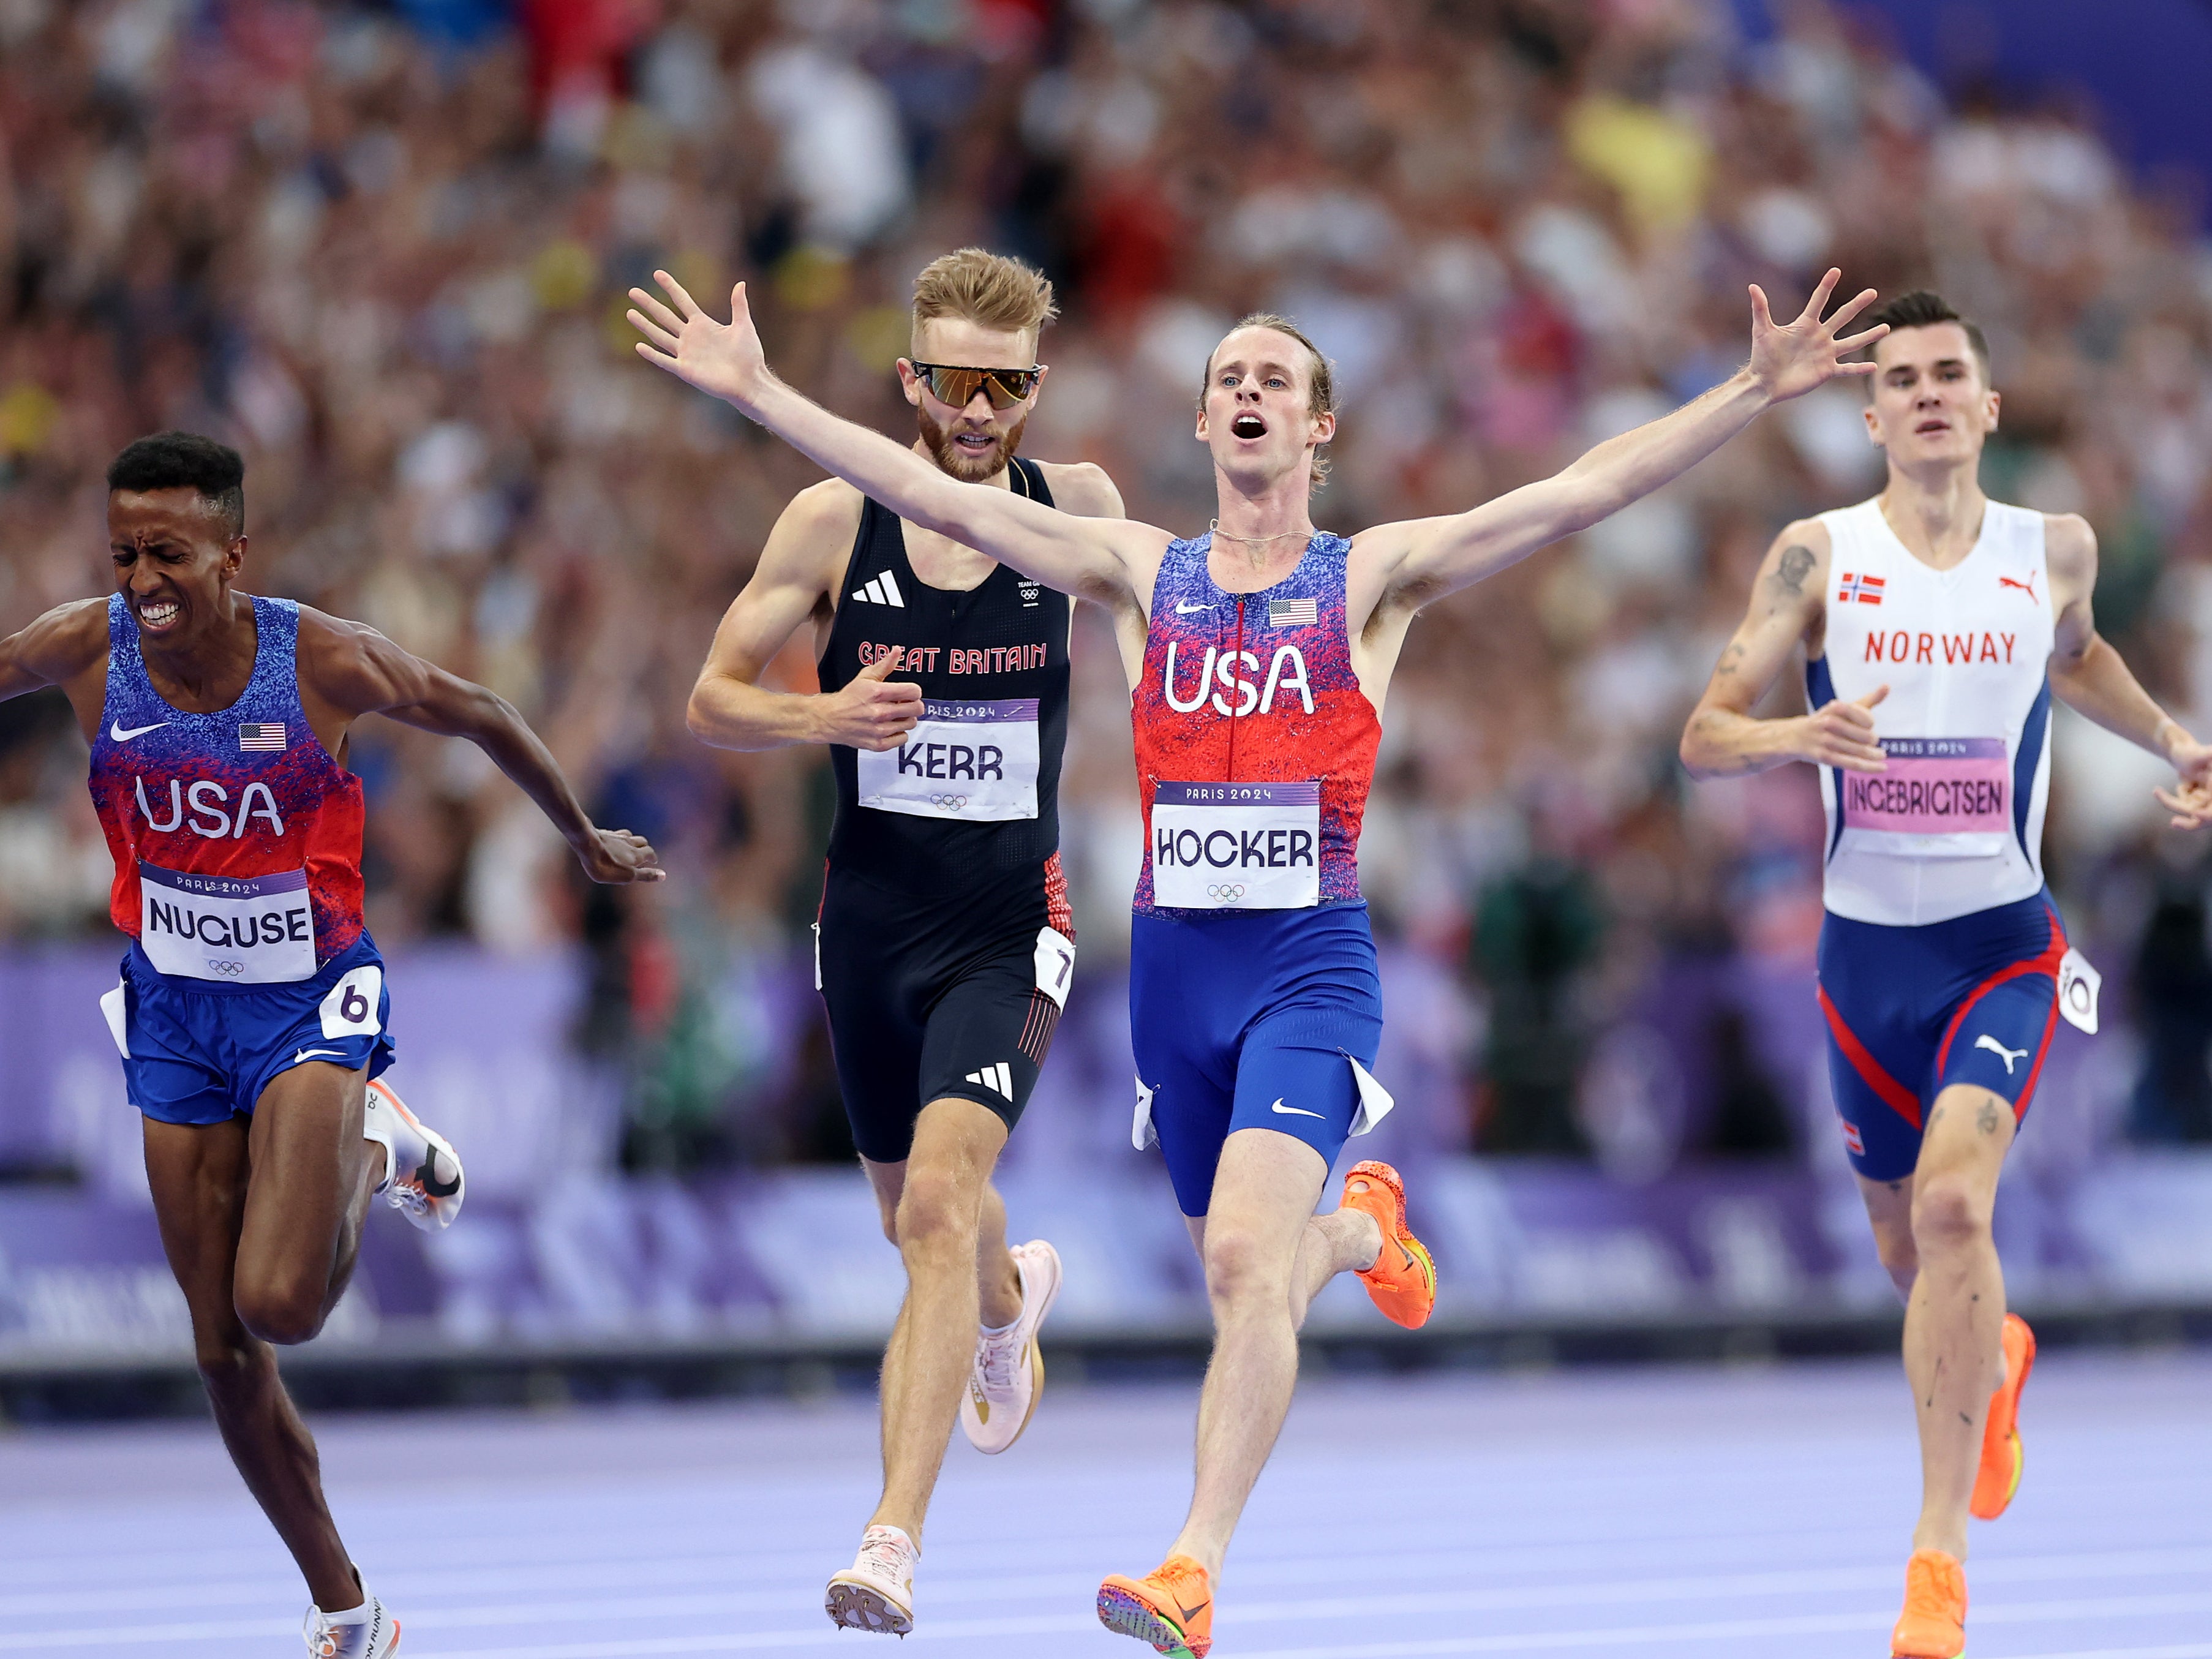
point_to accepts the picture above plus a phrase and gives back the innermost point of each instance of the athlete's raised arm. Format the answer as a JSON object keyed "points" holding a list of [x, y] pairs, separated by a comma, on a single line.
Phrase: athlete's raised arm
{"points": [[1422, 560], [54, 649], [2093, 680], [352, 669], [1724, 738], [805, 553], [1103, 559]]}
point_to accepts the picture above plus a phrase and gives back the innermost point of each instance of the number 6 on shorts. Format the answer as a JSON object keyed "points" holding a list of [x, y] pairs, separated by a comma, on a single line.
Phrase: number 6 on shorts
{"points": [[353, 1004]]}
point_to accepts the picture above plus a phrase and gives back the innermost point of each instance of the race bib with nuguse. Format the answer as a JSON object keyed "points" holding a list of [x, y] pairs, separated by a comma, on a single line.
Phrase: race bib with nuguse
{"points": [[235, 930], [1236, 846], [975, 761], [1933, 786]]}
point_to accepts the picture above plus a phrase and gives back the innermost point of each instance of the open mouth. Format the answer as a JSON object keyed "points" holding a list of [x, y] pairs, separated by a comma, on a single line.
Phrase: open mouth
{"points": [[975, 443], [158, 613], [1929, 427], [1248, 425]]}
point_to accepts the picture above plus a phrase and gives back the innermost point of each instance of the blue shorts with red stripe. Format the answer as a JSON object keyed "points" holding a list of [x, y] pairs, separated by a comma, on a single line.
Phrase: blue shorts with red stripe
{"points": [[1912, 1010]]}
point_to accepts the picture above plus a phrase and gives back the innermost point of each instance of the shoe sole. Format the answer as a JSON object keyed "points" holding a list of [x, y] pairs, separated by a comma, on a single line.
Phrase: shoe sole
{"points": [[862, 1607], [1128, 1615], [437, 1220], [2014, 1389], [1037, 1368]]}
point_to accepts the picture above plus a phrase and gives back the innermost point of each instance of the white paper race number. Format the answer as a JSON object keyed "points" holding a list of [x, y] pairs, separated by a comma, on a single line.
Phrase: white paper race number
{"points": [[2078, 985], [973, 761], [1236, 846], [235, 930]]}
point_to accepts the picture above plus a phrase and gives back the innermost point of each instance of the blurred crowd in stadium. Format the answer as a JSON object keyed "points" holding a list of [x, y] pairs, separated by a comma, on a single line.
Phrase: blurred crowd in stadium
{"points": [[383, 250]]}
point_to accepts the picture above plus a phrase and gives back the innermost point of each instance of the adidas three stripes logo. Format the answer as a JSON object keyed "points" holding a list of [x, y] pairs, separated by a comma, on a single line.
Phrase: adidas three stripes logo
{"points": [[995, 1077], [882, 590]]}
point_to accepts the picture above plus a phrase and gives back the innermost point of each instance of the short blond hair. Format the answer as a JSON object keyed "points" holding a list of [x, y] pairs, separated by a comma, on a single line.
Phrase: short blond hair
{"points": [[986, 289]]}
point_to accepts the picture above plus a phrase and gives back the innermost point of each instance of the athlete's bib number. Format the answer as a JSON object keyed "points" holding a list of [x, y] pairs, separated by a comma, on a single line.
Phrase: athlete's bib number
{"points": [[1236, 846], [250, 930], [1935, 787], [972, 760]]}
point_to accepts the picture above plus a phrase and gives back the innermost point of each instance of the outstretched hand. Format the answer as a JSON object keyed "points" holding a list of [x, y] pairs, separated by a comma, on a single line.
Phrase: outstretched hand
{"points": [[1790, 359], [616, 858], [722, 359]]}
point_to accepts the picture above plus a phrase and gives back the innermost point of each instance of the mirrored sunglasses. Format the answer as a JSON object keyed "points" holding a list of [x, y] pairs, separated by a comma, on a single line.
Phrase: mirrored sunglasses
{"points": [[956, 387]]}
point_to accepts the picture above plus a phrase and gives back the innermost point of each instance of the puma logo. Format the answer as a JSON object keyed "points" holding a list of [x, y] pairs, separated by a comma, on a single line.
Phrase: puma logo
{"points": [[2026, 588], [2008, 1055]]}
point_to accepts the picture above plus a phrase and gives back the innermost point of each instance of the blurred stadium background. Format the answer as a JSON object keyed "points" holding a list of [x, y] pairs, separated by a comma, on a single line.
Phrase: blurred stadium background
{"points": [[381, 249]]}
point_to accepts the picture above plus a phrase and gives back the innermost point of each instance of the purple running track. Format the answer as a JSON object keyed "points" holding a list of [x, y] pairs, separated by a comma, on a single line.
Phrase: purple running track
{"points": [[1658, 1512]]}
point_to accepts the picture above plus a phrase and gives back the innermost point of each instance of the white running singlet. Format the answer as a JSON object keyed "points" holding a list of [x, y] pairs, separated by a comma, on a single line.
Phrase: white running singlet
{"points": [[1955, 824]]}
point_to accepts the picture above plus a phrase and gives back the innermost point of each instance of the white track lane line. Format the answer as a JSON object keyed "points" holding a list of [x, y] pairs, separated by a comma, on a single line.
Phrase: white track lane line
{"points": [[713, 1577], [2028, 1612]]}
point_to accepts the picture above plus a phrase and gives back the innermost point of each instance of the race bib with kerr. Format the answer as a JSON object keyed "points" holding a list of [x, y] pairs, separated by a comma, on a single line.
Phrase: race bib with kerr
{"points": [[1933, 786], [975, 761], [1236, 846], [236, 930]]}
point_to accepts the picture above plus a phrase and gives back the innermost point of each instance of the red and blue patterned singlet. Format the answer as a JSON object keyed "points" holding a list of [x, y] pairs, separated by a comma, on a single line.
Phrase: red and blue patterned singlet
{"points": [[236, 836], [1254, 745]]}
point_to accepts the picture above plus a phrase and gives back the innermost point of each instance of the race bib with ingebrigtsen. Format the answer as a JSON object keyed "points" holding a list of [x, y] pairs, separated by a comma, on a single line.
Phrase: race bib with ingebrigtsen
{"points": [[1236, 846], [235, 930], [1933, 786], [975, 761]]}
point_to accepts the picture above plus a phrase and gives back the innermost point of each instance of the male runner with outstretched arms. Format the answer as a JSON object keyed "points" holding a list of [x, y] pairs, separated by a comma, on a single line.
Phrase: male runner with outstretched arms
{"points": [[945, 943], [1261, 653], [1937, 624], [253, 1013]]}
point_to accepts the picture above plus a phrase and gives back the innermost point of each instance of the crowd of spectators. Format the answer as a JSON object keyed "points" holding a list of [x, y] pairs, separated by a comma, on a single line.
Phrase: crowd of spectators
{"points": [[382, 249]]}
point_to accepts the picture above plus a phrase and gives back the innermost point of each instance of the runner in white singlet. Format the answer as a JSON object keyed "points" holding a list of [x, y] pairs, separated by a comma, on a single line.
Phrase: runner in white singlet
{"points": [[1937, 624]]}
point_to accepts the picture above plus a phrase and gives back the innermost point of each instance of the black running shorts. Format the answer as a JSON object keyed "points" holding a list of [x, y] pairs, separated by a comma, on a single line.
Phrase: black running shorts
{"points": [[932, 1000]]}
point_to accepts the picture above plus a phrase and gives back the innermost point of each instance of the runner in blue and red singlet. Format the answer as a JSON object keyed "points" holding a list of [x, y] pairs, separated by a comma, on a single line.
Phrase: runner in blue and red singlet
{"points": [[1260, 655], [251, 1014]]}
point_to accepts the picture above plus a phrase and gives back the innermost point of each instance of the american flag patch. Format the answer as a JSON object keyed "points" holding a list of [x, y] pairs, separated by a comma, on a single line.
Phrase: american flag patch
{"points": [[262, 735], [1294, 613], [1866, 590]]}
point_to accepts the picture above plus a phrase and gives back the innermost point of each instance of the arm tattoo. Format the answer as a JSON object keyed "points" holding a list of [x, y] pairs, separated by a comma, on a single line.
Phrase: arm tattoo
{"points": [[1986, 1119], [1796, 563], [1730, 659]]}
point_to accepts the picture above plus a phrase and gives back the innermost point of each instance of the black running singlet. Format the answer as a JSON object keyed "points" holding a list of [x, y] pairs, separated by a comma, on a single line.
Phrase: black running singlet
{"points": [[971, 797]]}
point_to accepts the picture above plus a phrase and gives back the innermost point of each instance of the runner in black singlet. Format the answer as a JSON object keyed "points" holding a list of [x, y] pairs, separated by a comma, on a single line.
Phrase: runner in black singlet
{"points": [[944, 946]]}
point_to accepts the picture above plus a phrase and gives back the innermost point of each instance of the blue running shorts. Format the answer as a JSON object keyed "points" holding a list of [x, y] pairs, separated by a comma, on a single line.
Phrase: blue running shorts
{"points": [[1911, 1010], [1251, 1020], [196, 1052]]}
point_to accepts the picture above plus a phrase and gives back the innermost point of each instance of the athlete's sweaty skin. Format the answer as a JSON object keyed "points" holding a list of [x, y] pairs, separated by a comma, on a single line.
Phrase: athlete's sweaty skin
{"points": [[1262, 1246], [1931, 411], [261, 1217], [938, 1204]]}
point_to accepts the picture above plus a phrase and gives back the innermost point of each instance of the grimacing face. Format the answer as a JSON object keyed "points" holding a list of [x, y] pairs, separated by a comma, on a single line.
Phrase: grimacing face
{"points": [[1257, 416], [174, 562], [1930, 404], [975, 442]]}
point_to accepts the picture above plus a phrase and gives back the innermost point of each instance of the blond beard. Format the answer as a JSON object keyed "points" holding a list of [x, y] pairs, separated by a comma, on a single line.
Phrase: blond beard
{"points": [[956, 463]]}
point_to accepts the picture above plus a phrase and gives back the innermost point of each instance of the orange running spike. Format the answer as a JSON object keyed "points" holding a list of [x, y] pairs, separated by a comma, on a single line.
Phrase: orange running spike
{"points": [[1171, 1607], [2003, 1460], [1403, 1281], [1934, 1623]]}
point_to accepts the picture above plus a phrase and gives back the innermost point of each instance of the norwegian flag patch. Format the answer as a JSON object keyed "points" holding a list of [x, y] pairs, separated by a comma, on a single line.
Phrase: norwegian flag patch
{"points": [[268, 734], [1852, 1139], [1294, 613], [1866, 590]]}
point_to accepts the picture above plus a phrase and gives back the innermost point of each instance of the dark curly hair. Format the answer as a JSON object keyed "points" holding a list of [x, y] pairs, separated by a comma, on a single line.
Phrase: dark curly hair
{"points": [[185, 460]]}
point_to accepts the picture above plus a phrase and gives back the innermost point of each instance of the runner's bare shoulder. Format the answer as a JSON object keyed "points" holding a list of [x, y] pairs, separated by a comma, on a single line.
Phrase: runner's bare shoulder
{"points": [[1083, 488]]}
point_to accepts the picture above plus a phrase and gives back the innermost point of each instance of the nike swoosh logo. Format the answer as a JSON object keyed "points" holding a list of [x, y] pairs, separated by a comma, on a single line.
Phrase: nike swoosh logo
{"points": [[117, 734], [1182, 610], [306, 1054], [1299, 1110]]}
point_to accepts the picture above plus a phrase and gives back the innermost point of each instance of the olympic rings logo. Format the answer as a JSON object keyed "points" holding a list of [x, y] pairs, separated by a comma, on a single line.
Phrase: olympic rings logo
{"points": [[231, 969], [1225, 890], [949, 803]]}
